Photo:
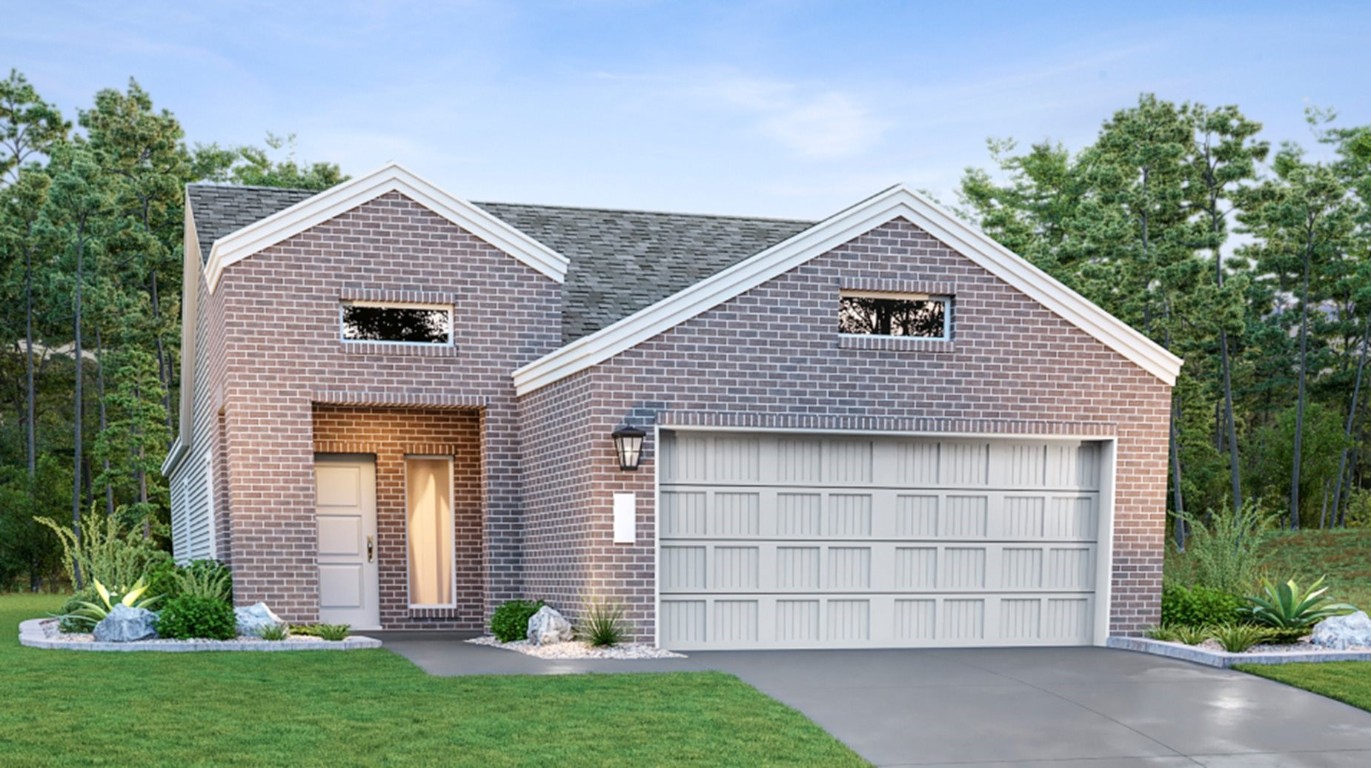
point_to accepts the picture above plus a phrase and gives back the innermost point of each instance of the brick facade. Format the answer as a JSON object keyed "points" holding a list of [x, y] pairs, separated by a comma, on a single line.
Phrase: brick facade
{"points": [[277, 352], [772, 359]]}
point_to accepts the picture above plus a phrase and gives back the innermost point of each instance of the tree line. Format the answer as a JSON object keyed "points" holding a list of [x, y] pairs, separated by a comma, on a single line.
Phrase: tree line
{"points": [[1251, 262], [91, 215]]}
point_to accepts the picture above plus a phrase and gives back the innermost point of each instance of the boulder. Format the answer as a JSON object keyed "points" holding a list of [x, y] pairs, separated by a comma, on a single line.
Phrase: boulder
{"points": [[1342, 632], [125, 625], [547, 626], [254, 618]]}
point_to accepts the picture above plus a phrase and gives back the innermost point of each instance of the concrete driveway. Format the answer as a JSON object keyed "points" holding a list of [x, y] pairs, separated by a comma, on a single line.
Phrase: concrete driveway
{"points": [[1079, 707]]}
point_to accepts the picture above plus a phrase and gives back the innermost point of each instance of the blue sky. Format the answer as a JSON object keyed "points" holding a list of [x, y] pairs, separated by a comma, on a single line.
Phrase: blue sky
{"points": [[764, 108]]}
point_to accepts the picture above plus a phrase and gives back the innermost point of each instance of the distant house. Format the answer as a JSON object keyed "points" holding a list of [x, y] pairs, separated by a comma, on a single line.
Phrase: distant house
{"points": [[881, 429]]}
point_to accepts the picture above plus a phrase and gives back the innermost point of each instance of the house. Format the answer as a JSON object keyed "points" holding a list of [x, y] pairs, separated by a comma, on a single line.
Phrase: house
{"points": [[881, 429]]}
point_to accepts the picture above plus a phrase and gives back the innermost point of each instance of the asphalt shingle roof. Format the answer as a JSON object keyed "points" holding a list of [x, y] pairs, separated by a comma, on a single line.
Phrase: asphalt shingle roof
{"points": [[221, 210], [621, 261]]}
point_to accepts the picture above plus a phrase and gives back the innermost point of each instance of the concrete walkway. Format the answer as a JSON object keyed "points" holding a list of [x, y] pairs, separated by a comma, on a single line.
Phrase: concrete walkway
{"points": [[1078, 707]]}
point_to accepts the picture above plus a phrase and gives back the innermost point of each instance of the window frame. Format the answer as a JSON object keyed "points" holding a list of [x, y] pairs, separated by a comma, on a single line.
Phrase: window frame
{"points": [[343, 304], [452, 510], [945, 298]]}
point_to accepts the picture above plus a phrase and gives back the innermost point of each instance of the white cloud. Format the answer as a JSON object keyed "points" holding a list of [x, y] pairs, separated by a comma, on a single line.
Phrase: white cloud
{"points": [[821, 124]]}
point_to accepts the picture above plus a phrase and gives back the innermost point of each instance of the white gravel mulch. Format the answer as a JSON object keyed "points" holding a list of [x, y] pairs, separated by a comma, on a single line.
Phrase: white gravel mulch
{"points": [[1302, 646], [580, 650]]}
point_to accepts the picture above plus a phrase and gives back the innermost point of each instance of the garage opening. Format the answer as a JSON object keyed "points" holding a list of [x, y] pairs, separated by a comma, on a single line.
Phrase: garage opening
{"points": [[795, 540]]}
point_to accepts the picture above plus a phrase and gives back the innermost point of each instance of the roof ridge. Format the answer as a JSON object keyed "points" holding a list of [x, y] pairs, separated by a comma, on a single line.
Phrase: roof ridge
{"points": [[215, 185], [781, 219]]}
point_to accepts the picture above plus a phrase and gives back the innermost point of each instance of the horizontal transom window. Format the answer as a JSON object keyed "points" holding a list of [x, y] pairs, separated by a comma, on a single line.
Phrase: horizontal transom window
{"points": [[396, 323], [863, 313]]}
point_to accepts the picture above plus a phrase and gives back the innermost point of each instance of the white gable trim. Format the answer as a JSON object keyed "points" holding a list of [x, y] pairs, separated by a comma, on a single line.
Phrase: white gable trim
{"points": [[332, 202], [896, 202]]}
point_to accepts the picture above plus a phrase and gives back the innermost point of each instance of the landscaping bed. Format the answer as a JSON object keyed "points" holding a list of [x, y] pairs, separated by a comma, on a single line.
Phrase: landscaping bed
{"points": [[576, 649], [44, 633], [1212, 654]]}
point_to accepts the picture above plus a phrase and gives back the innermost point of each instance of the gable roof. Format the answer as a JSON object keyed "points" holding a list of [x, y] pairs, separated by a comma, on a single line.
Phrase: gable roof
{"points": [[624, 261], [893, 203], [315, 209], [620, 261]]}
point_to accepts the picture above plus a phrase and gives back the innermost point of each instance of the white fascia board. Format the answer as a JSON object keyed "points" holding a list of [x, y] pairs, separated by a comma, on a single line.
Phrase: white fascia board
{"points": [[337, 200], [897, 202]]}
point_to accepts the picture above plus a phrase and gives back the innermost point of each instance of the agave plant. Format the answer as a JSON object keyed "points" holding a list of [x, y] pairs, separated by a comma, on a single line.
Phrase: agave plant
{"points": [[91, 613], [1286, 606]]}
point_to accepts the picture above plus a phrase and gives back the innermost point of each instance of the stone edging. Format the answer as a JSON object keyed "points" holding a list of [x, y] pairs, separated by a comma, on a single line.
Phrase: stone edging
{"points": [[1224, 659], [32, 635]]}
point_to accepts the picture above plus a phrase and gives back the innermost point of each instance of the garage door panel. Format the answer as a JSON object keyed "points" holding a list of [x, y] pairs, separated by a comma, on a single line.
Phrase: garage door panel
{"points": [[777, 511], [812, 542]]}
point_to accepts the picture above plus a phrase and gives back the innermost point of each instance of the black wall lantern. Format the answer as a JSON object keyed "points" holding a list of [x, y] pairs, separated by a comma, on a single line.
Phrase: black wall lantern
{"points": [[628, 442]]}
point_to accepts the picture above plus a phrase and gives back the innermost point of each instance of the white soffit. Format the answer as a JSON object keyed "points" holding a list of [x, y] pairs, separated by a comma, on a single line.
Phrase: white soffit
{"points": [[896, 202], [393, 177]]}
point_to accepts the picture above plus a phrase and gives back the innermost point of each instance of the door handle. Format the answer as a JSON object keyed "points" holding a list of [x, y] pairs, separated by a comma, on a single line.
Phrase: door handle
{"points": [[371, 549]]}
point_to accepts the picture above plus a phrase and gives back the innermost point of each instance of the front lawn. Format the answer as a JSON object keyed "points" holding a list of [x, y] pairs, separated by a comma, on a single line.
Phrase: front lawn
{"points": [[372, 708], [1347, 681]]}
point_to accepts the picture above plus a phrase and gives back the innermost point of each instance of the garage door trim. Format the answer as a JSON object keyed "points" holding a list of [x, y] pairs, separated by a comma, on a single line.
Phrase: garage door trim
{"points": [[1104, 524]]}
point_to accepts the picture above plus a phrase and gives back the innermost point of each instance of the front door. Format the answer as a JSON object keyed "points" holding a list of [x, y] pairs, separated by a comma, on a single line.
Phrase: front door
{"points": [[345, 499]]}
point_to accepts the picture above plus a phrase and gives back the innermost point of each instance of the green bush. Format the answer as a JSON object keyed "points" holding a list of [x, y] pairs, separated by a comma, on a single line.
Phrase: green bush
{"points": [[274, 632], [1236, 638], [510, 621], [1223, 549], [1191, 635], [1286, 606], [161, 577], [189, 617], [205, 578], [69, 620], [604, 624], [1198, 606], [322, 631]]}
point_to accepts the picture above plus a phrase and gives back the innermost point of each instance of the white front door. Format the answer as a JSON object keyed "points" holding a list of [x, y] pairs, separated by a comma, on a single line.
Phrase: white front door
{"points": [[345, 509]]}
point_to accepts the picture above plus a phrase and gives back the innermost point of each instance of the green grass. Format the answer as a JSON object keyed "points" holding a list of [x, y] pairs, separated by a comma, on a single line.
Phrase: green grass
{"points": [[1346, 681], [372, 707], [1309, 554]]}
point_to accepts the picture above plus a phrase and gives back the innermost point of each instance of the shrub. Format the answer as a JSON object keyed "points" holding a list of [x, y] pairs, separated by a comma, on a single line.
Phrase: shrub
{"points": [[1198, 606], [189, 617], [205, 578], [1236, 638], [161, 578], [510, 621], [1191, 635], [1165, 634], [69, 620], [1222, 551], [1286, 606], [334, 632], [104, 551], [274, 632], [322, 631], [604, 624]]}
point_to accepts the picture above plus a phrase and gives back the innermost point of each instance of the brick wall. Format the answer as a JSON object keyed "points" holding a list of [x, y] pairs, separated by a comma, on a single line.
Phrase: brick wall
{"points": [[771, 358], [276, 315], [390, 434]]}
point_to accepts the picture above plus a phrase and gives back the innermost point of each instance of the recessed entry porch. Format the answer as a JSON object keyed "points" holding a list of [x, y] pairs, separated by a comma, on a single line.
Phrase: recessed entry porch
{"points": [[399, 511]]}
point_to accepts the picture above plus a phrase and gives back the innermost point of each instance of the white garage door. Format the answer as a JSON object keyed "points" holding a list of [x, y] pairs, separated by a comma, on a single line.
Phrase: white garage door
{"points": [[806, 541]]}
